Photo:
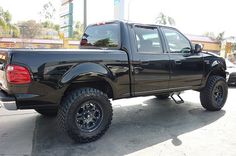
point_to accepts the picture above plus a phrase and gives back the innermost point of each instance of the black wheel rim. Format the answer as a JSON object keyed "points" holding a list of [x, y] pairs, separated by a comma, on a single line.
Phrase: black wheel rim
{"points": [[218, 94], [89, 116]]}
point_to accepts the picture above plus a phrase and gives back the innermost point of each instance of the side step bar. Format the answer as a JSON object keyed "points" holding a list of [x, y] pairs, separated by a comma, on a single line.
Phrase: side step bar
{"points": [[177, 94]]}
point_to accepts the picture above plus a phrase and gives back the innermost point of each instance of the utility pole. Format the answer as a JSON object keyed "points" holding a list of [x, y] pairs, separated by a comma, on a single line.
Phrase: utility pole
{"points": [[130, 1], [23, 35], [85, 14]]}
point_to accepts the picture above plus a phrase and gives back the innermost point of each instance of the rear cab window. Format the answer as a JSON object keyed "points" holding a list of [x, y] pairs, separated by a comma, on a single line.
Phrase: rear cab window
{"points": [[101, 36]]}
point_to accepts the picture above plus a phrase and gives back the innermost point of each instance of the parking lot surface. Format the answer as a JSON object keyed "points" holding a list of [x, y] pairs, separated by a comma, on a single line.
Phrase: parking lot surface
{"points": [[140, 126]]}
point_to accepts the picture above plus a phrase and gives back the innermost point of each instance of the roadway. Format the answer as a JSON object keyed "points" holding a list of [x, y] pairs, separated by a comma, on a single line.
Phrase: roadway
{"points": [[140, 126]]}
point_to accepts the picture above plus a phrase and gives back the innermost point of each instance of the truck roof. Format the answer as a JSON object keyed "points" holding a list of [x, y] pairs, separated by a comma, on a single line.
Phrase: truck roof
{"points": [[130, 23]]}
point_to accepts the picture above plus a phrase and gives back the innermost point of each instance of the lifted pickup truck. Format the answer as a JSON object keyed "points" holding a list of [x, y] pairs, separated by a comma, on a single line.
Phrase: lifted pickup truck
{"points": [[117, 60]]}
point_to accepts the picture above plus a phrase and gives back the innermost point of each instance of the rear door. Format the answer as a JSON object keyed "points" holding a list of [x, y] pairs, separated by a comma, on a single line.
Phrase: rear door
{"points": [[150, 65], [186, 67]]}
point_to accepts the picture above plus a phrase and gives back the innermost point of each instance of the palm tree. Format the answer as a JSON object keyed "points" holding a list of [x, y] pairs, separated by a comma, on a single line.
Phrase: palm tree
{"points": [[78, 30], [6, 25], [2, 20], [14, 30], [164, 19], [219, 37]]}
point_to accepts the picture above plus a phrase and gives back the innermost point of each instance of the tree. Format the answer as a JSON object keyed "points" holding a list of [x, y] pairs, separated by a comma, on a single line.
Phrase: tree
{"points": [[7, 16], [50, 25], [8, 28], [210, 35], [219, 37], [14, 30], [164, 19], [50, 30], [48, 15], [2, 18], [30, 29], [78, 30], [233, 46], [48, 11]]}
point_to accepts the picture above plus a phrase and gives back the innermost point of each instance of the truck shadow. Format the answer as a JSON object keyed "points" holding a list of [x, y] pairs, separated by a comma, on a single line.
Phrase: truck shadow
{"points": [[133, 128]]}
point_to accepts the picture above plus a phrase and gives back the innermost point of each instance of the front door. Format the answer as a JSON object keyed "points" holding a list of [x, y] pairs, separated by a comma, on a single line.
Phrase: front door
{"points": [[151, 68], [186, 66]]}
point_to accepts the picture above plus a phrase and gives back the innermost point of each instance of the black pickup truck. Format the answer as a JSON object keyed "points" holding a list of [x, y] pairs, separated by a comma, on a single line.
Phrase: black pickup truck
{"points": [[116, 60]]}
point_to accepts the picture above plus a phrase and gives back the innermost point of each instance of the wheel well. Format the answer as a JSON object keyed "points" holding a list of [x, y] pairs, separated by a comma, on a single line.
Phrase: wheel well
{"points": [[101, 85], [219, 72]]}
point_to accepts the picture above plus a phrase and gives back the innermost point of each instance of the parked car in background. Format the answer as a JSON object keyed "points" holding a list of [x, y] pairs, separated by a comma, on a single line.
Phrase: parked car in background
{"points": [[231, 70]]}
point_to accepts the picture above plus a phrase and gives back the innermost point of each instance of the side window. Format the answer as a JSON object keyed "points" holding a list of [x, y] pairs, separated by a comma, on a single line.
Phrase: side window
{"points": [[147, 40], [176, 41]]}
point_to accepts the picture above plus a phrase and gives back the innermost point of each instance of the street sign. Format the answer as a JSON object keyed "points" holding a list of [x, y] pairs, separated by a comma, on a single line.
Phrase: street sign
{"points": [[65, 21], [116, 2], [65, 1], [66, 18], [66, 9]]}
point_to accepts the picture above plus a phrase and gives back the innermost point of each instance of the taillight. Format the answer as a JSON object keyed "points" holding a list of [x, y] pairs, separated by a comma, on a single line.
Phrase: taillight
{"points": [[18, 74]]}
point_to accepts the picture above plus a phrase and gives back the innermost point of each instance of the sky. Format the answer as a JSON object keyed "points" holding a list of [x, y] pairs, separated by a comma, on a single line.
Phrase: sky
{"points": [[191, 16]]}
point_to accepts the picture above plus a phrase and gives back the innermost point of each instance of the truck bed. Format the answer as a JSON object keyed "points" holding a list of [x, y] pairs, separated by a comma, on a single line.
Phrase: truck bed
{"points": [[53, 70]]}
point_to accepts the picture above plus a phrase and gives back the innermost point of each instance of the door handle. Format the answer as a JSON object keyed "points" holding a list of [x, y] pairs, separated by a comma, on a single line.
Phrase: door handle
{"points": [[178, 62]]}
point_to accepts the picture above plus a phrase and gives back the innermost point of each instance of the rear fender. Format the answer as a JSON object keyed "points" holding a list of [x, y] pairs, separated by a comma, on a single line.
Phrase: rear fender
{"points": [[87, 72]]}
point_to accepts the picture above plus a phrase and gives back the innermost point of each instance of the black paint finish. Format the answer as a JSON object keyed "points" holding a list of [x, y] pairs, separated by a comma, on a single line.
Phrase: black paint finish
{"points": [[127, 72]]}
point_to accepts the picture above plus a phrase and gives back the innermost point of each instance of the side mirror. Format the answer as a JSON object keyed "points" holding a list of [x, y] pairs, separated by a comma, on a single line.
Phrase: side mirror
{"points": [[198, 48]]}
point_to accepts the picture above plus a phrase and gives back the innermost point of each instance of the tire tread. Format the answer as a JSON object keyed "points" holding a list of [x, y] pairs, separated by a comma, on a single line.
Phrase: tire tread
{"points": [[68, 100], [205, 99]]}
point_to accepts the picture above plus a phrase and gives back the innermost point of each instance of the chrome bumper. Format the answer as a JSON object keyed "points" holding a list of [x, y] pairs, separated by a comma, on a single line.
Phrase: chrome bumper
{"points": [[8, 102], [10, 105]]}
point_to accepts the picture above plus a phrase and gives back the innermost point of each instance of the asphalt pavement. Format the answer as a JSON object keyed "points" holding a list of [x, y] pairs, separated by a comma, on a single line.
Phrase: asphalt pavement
{"points": [[141, 126]]}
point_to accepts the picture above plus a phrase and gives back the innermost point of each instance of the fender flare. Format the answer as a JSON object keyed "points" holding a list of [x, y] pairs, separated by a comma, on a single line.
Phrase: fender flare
{"points": [[87, 71], [217, 69]]}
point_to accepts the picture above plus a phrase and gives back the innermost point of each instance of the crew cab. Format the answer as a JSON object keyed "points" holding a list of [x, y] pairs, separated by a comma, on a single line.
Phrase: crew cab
{"points": [[116, 60]]}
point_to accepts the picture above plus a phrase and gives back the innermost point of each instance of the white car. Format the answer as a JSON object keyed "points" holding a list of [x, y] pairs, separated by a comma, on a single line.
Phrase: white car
{"points": [[231, 70]]}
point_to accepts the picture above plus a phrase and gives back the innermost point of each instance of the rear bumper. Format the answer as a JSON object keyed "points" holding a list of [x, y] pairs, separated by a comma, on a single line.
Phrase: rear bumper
{"points": [[8, 102]]}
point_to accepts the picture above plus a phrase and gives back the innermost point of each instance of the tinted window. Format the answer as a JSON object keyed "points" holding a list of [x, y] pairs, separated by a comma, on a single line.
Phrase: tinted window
{"points": [[104, 36], [147, 39], [176, 41]]}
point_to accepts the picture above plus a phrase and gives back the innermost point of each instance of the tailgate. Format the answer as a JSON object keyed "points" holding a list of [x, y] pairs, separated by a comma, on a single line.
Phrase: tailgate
{"points": [[4, 59]]}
